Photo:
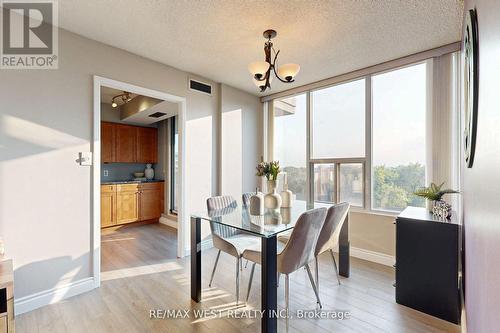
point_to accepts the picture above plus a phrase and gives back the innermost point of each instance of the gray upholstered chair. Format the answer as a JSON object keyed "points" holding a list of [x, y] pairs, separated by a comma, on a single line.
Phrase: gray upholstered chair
{"points": [[297, 252], [245, 198], [227, 239], [329, 236]]}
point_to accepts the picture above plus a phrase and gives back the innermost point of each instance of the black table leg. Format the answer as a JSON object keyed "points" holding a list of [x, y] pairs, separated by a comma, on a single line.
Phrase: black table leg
{"points": [[195, 259], [344, 261], [269, 285]]}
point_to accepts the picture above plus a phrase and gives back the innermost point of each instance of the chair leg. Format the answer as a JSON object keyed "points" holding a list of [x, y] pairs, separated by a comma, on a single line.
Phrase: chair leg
{"points": [[237, 280], [215, 266], [250, 281], [335, 265], [313, 285], [316, 272], [287, 298], [241, 264], [246, 264]]}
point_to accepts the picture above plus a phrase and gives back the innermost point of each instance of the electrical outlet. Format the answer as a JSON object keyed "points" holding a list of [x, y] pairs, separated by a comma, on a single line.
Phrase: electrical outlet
{"points": [[106, 173]]}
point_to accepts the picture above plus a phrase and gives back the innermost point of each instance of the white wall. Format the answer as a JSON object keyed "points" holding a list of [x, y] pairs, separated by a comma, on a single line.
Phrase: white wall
{"points": [[45, 120], [241, 144]]}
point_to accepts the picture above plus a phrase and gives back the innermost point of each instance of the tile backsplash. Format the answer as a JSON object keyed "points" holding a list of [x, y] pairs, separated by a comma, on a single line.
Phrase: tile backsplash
{"points": [[121, 171]]}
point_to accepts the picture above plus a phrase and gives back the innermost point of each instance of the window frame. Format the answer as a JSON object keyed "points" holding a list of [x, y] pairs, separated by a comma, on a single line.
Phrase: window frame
{"points": [[367, 160], [173, 126]]}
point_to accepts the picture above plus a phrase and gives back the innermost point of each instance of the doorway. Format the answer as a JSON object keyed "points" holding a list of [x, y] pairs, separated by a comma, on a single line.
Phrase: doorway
{"points": [[135, 119]]}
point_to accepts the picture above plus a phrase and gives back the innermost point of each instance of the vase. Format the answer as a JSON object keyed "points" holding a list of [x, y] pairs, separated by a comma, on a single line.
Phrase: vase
{"points": [[429, 204], [149, 172], [286, 197], [271, 185], [272, 200], [257, 204]]}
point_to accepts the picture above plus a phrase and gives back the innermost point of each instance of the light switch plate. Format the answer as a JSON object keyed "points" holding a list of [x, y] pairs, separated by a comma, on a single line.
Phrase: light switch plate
{"points": [[106, 173], [85, 158]]}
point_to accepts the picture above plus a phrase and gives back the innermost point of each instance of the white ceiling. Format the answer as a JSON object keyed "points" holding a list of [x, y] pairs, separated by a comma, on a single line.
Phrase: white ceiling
{"points": [[218, 38]]}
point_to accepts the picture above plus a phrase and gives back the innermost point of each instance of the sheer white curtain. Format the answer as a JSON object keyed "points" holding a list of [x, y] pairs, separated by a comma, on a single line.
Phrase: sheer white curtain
{"points": [[443, 126]]}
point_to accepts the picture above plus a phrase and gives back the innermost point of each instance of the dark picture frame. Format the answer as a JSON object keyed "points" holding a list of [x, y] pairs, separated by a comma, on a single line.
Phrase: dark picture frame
{"points": [[470, 70]]}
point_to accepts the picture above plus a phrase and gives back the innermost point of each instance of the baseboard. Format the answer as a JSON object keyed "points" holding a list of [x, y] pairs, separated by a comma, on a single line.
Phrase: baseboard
{"points": [[166, 221], [54, 295], [205, 245], [377, 257]]}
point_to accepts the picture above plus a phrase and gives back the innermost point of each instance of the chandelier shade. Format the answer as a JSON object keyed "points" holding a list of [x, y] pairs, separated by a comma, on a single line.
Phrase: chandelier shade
{"points": [[258, 69], [288, 71]]}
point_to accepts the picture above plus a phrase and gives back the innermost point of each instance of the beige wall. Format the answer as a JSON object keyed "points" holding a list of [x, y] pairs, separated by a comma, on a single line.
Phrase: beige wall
{"points": [[45, 120], [241, 144], [373, 232]]}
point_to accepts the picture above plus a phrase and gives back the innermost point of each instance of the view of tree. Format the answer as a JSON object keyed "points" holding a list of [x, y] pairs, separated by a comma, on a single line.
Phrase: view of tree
{"points": [[393, 187]]}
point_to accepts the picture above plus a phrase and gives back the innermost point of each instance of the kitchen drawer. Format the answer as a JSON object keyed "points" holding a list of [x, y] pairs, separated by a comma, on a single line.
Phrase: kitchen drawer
{"points": [[108, 188], [127, 188], [150, 186]]}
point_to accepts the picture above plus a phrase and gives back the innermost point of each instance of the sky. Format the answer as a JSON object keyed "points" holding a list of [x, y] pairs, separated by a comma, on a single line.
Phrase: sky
{"points": [[399, 108]]}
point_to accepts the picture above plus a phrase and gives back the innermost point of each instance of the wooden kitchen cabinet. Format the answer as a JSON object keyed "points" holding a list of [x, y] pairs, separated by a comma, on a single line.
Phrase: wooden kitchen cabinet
{"points": [[128, 144], [147, 145], [128, 203], [108, 205], [151, 201], [108, 139]]}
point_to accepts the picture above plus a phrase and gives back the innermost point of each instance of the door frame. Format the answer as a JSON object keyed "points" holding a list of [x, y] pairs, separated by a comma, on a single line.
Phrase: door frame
{"points": [[96, 166]]}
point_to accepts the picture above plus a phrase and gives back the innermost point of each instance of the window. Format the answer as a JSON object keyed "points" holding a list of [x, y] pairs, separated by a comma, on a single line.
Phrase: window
{"points": [[379, 172], [338, 114], [398, 136], [290, 120], [174, 164]]}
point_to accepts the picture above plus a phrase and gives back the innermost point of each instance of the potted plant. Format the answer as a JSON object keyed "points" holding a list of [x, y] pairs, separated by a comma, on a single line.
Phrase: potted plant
{"points": [[433, 194], [270, 170]]}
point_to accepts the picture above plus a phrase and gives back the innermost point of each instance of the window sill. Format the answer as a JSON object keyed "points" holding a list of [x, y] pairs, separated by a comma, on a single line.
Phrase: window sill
{"points": [[374, 212]]}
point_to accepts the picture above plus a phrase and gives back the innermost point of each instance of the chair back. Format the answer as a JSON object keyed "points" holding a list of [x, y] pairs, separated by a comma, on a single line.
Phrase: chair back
{"points": [[245, 198], [299, 249], [329, 236], [221, 203]]}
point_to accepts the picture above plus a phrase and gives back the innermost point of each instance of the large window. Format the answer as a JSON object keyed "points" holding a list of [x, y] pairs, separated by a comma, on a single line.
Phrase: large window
{"points": [[338, 142], [290, 122], [398, 154], [366, 140], [338, 119]]}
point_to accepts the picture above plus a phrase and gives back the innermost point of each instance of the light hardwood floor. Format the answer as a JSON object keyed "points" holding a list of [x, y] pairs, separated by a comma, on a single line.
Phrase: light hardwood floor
{"points": [[140, 273]]}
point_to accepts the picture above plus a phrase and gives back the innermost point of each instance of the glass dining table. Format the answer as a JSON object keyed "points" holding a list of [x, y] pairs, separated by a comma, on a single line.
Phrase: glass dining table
{"points": [[268, 227]]}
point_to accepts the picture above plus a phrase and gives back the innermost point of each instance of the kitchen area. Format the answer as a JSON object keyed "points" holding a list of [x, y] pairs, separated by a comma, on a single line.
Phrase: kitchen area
{"points": [[138, 173]]}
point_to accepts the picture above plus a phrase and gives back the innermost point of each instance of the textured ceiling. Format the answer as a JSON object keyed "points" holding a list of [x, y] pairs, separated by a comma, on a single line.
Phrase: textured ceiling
{"points": [[217, 39]]}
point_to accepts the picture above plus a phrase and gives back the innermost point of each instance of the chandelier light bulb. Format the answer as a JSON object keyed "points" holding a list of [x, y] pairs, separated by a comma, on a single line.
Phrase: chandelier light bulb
{"points": [[114, 104]]}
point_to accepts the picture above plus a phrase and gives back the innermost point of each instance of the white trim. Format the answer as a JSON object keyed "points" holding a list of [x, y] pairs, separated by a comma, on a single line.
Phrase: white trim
{"points": [[183, 220], [54, 295], [376, 257], [168, 222]]}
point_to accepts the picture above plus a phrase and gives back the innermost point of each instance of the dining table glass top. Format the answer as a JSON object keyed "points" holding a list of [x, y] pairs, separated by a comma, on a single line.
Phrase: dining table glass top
{"points": [[273, 222]]}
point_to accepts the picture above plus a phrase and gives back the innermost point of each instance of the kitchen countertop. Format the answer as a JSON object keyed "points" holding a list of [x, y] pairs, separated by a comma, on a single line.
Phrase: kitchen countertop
{"points": [[130, 182]]}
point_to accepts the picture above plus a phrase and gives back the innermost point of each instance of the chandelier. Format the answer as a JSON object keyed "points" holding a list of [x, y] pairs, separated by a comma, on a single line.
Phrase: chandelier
{"points": [[261, 70]]}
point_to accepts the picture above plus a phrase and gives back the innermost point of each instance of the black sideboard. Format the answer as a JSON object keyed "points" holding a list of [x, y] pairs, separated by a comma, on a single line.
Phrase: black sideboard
{"points": [[427, 263]]}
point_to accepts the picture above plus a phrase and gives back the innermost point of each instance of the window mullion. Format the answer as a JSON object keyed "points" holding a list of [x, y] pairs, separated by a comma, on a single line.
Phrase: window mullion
{"points": [[367, 168]]}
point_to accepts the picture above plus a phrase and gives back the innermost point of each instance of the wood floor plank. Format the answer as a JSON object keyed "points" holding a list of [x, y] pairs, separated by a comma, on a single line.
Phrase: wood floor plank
{"points": [[140, 272]]}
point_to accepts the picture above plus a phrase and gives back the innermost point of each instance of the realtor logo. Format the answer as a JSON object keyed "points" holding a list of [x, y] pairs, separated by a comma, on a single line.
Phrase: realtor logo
{"points": [[29, 34]]}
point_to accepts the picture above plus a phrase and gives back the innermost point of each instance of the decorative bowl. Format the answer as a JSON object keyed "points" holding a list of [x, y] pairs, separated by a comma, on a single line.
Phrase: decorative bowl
{"points": [[138, 174]]}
